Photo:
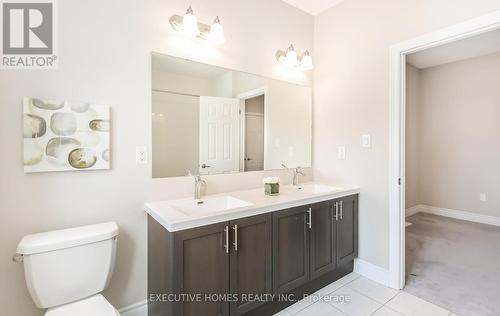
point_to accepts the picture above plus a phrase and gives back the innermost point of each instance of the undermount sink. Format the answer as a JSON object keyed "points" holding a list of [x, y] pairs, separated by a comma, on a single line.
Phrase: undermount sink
{"points": [[314, 188], [209, 205]]}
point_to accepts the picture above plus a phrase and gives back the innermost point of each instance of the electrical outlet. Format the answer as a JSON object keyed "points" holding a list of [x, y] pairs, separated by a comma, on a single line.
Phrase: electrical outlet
{"points": [[341, 152], [141, 155], [366, 141], [482, 197]]}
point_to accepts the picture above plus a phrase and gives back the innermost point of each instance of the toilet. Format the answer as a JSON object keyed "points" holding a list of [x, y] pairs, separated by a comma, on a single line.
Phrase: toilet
{"points": [[66, 270]]}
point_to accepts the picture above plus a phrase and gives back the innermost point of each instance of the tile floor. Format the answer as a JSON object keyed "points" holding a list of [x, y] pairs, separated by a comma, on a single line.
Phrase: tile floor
{"points": [[354, 295]]}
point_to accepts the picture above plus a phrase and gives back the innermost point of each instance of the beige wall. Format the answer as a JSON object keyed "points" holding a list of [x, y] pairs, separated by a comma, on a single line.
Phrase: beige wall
{"points": [[104, 51], [351, 88], [412, 175], [457, 131]]}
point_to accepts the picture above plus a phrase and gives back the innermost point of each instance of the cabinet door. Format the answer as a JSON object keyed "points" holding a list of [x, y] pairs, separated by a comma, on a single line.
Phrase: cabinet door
{"points": [[290, 249], [347, 229], [250, 261], [201, 262], [323, 239]]}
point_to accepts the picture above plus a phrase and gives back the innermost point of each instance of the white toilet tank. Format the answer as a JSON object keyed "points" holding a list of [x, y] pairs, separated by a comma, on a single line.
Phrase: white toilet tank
{"points": [[67, 265]]}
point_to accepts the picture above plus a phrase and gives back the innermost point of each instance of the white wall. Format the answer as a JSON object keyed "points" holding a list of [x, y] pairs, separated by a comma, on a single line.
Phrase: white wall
{"points": [[457, 133], [105, 58], [351, 88]]}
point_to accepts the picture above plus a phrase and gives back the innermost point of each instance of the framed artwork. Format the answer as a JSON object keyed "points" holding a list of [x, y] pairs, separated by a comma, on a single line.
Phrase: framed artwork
{"points": [[64, 136]]}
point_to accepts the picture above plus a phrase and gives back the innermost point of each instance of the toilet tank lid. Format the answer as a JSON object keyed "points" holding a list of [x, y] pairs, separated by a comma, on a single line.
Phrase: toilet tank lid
{"points": [[66, 238]]}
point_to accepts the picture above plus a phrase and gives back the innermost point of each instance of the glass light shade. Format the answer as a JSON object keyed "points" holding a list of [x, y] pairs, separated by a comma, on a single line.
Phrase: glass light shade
{"points": [[216, 34], [306, 63], [291, 59], [190, 24]]}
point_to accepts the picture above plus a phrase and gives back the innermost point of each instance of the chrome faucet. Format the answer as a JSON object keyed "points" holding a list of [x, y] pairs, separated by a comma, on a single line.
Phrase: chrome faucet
{"points": [[198, 183], [296, 172]]}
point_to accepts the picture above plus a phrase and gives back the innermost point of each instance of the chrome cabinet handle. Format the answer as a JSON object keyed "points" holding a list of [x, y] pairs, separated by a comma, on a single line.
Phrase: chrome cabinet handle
{"points": [[205, 166], [226, 244], [341, 210], [336, 211], [309, 223], [235, 243]]}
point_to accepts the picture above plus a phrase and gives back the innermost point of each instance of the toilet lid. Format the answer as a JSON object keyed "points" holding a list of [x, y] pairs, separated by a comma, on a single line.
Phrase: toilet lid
{"points": [[95, 305]]}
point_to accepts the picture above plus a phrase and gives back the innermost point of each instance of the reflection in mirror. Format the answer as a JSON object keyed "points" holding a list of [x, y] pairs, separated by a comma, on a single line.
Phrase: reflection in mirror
{"points": [[210, 120]]}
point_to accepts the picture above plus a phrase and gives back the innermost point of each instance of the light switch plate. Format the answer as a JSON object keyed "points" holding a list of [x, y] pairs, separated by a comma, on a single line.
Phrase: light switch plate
{"points": [[141, 155], [482, 197], [341, 152], [367, 141]]}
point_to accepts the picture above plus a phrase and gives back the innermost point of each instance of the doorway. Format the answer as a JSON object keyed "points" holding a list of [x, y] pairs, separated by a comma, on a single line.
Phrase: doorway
{"points": [[397, 177], [254, 133]]}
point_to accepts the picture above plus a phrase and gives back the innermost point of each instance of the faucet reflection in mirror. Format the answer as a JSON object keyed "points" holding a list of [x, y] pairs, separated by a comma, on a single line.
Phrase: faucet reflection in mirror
{"points": [[191, 27]]}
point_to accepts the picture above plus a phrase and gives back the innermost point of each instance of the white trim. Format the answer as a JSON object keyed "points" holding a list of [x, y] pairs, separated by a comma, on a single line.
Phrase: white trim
{"points": [[137, 309], [413, 210], [398, 54], [371, 271], [457, 214]]}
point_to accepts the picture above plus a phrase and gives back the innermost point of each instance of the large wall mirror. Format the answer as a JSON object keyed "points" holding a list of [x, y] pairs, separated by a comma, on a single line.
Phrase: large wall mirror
{"points": [[211, 120]]}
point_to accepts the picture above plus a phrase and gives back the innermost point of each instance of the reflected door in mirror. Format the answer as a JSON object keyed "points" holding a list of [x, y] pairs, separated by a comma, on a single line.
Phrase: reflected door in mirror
{"points": [[219, 135]]}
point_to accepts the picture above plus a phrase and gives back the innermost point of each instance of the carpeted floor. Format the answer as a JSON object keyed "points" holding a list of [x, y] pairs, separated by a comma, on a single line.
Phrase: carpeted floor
{"points": [[454, 264]]}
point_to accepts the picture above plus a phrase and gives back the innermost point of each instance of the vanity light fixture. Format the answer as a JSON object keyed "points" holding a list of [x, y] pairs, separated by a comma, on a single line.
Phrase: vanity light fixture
{"points": [[189, 25], [290, 59]]}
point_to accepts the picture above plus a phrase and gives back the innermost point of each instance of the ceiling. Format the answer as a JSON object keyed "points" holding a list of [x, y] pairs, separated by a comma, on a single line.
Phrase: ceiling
{"points": [[313, 7], [185, 67], [480, 45]]}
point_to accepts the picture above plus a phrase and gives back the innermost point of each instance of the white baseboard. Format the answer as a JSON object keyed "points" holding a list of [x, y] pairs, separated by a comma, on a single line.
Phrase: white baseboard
{"points": [[137, 309], [371, 271], [463, 215], [412, 210]]}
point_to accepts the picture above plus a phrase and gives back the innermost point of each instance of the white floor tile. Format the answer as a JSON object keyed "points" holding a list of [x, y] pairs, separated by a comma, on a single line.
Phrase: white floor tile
{"points": [[385, 311], [300, 305], [330, 288], [355, 304], [348, 278], [320, 309], [372, 289], [410, 305]]}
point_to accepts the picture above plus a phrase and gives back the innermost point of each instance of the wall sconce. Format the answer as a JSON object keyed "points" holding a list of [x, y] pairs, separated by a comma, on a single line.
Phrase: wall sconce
{"points": [[290, 59], [190, 26]]}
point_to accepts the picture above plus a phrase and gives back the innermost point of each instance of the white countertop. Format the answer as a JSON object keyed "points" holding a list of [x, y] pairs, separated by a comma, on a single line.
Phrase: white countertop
{"points": [[174, 220]]}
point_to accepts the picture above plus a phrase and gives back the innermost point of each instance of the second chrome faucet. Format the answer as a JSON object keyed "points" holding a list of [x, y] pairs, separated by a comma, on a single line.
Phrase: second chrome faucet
{"points": [[296, 172], [198, 184]]}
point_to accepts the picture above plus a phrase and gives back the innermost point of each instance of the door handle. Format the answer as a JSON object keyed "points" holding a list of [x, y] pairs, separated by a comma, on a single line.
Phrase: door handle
{"points": [[235, 243], [226, 243], [341, 210], [205, 166], [336, 211], [309, 215], [248, 159]]}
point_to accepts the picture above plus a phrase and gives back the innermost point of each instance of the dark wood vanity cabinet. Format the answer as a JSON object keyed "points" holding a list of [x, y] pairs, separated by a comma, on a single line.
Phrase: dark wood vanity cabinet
{"points": [[250, 261], [290, 248], [323, 239], [297, 250], [347, 229]]}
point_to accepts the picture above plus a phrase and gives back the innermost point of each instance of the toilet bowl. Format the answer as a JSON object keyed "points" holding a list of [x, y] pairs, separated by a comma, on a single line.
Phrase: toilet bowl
{"points": [[66, 270]]}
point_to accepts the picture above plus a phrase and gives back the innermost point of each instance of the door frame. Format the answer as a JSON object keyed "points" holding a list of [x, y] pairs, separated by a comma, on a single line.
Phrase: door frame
{"points": [[398, 52], [243, 97]]}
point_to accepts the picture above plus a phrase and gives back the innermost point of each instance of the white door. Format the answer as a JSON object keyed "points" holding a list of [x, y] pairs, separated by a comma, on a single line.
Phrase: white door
{"points": [[219, 135], [254, 142]]}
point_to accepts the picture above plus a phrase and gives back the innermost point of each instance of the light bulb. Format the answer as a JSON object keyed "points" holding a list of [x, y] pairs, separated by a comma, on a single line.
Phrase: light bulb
{"points": [[291, 59], [190, 23], [216, 34], [306, 63]]}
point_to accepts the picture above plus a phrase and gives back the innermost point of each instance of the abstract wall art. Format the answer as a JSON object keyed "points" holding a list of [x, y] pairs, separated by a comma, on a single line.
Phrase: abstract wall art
{"points": [[63, 136]]}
